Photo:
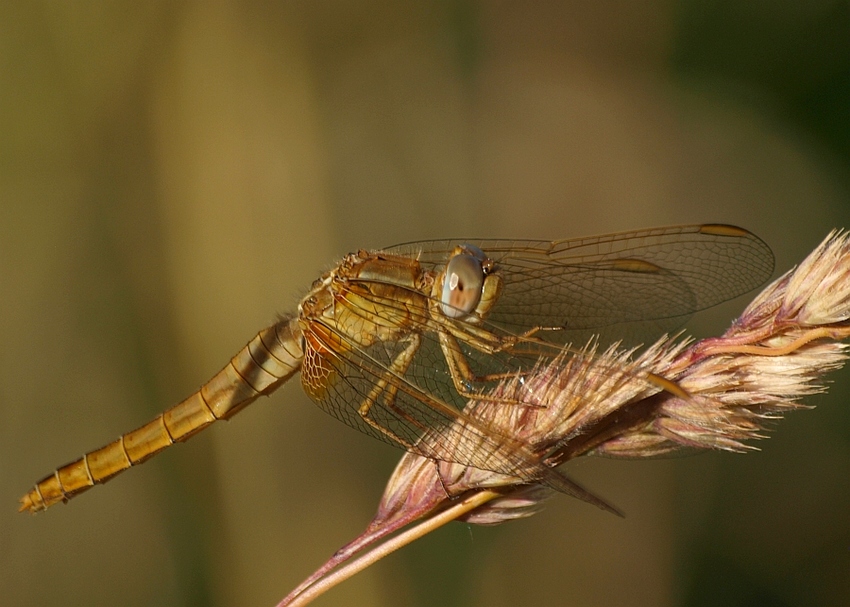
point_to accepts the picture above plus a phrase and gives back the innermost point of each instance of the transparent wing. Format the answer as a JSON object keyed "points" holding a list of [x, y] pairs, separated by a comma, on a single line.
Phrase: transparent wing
{"points": [[416, 400], [631, 286], [419, 409]]}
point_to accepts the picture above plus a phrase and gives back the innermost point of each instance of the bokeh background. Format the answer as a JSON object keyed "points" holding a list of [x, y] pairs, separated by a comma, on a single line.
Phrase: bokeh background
{"points": [[174, 174]]}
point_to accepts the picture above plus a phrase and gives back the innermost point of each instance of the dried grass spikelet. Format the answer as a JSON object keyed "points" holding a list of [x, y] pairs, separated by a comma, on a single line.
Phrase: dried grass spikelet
{"points": [[717, 393]]}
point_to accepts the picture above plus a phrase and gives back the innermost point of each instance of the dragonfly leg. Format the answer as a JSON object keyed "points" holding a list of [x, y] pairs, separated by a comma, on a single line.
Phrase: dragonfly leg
{"points": [[463, 375], [507, 343], [386, 388]]}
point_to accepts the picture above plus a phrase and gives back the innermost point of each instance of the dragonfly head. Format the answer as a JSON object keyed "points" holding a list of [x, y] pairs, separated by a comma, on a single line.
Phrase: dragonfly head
{"points": [[469, 286]]}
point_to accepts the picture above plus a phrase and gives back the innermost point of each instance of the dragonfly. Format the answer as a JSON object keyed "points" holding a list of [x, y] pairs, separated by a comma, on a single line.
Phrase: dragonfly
{"points": [[394, 342]]}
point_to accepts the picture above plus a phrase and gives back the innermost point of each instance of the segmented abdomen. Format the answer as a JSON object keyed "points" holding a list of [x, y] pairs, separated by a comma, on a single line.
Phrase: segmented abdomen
{"points": [[266, 362]]}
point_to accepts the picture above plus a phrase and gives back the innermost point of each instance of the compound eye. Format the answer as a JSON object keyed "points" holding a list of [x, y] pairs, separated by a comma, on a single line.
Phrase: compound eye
{"points": [[462, 285]]}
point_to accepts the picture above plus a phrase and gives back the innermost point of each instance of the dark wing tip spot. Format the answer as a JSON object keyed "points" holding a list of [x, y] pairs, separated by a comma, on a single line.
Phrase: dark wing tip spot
{"points": [[636, 265], [722, 229]]}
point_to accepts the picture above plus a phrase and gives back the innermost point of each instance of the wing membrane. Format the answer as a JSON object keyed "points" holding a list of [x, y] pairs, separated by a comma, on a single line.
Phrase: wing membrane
{"points": [[593, 285]]}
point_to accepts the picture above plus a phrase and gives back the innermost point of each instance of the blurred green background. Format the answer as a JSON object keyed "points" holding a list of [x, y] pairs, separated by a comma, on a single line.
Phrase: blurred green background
{"points": [[173, 174]]}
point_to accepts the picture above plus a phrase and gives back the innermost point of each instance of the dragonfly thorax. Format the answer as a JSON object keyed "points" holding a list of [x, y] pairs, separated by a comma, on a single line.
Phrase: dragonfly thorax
{"points": [[368, 297]]}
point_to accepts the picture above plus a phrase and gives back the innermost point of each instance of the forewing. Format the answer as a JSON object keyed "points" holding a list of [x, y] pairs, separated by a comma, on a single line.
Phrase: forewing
{"points": [[631, 285]]}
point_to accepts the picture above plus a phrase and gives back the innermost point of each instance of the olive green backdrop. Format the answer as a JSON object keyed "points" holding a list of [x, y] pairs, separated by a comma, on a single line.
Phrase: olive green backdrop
{"points": [[174, 174]]}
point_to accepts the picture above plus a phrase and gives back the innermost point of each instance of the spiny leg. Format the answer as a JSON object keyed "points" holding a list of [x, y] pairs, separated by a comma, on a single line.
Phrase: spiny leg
{"points": [[462, 374], [493, 452], [391, 383], [389, 389]]}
